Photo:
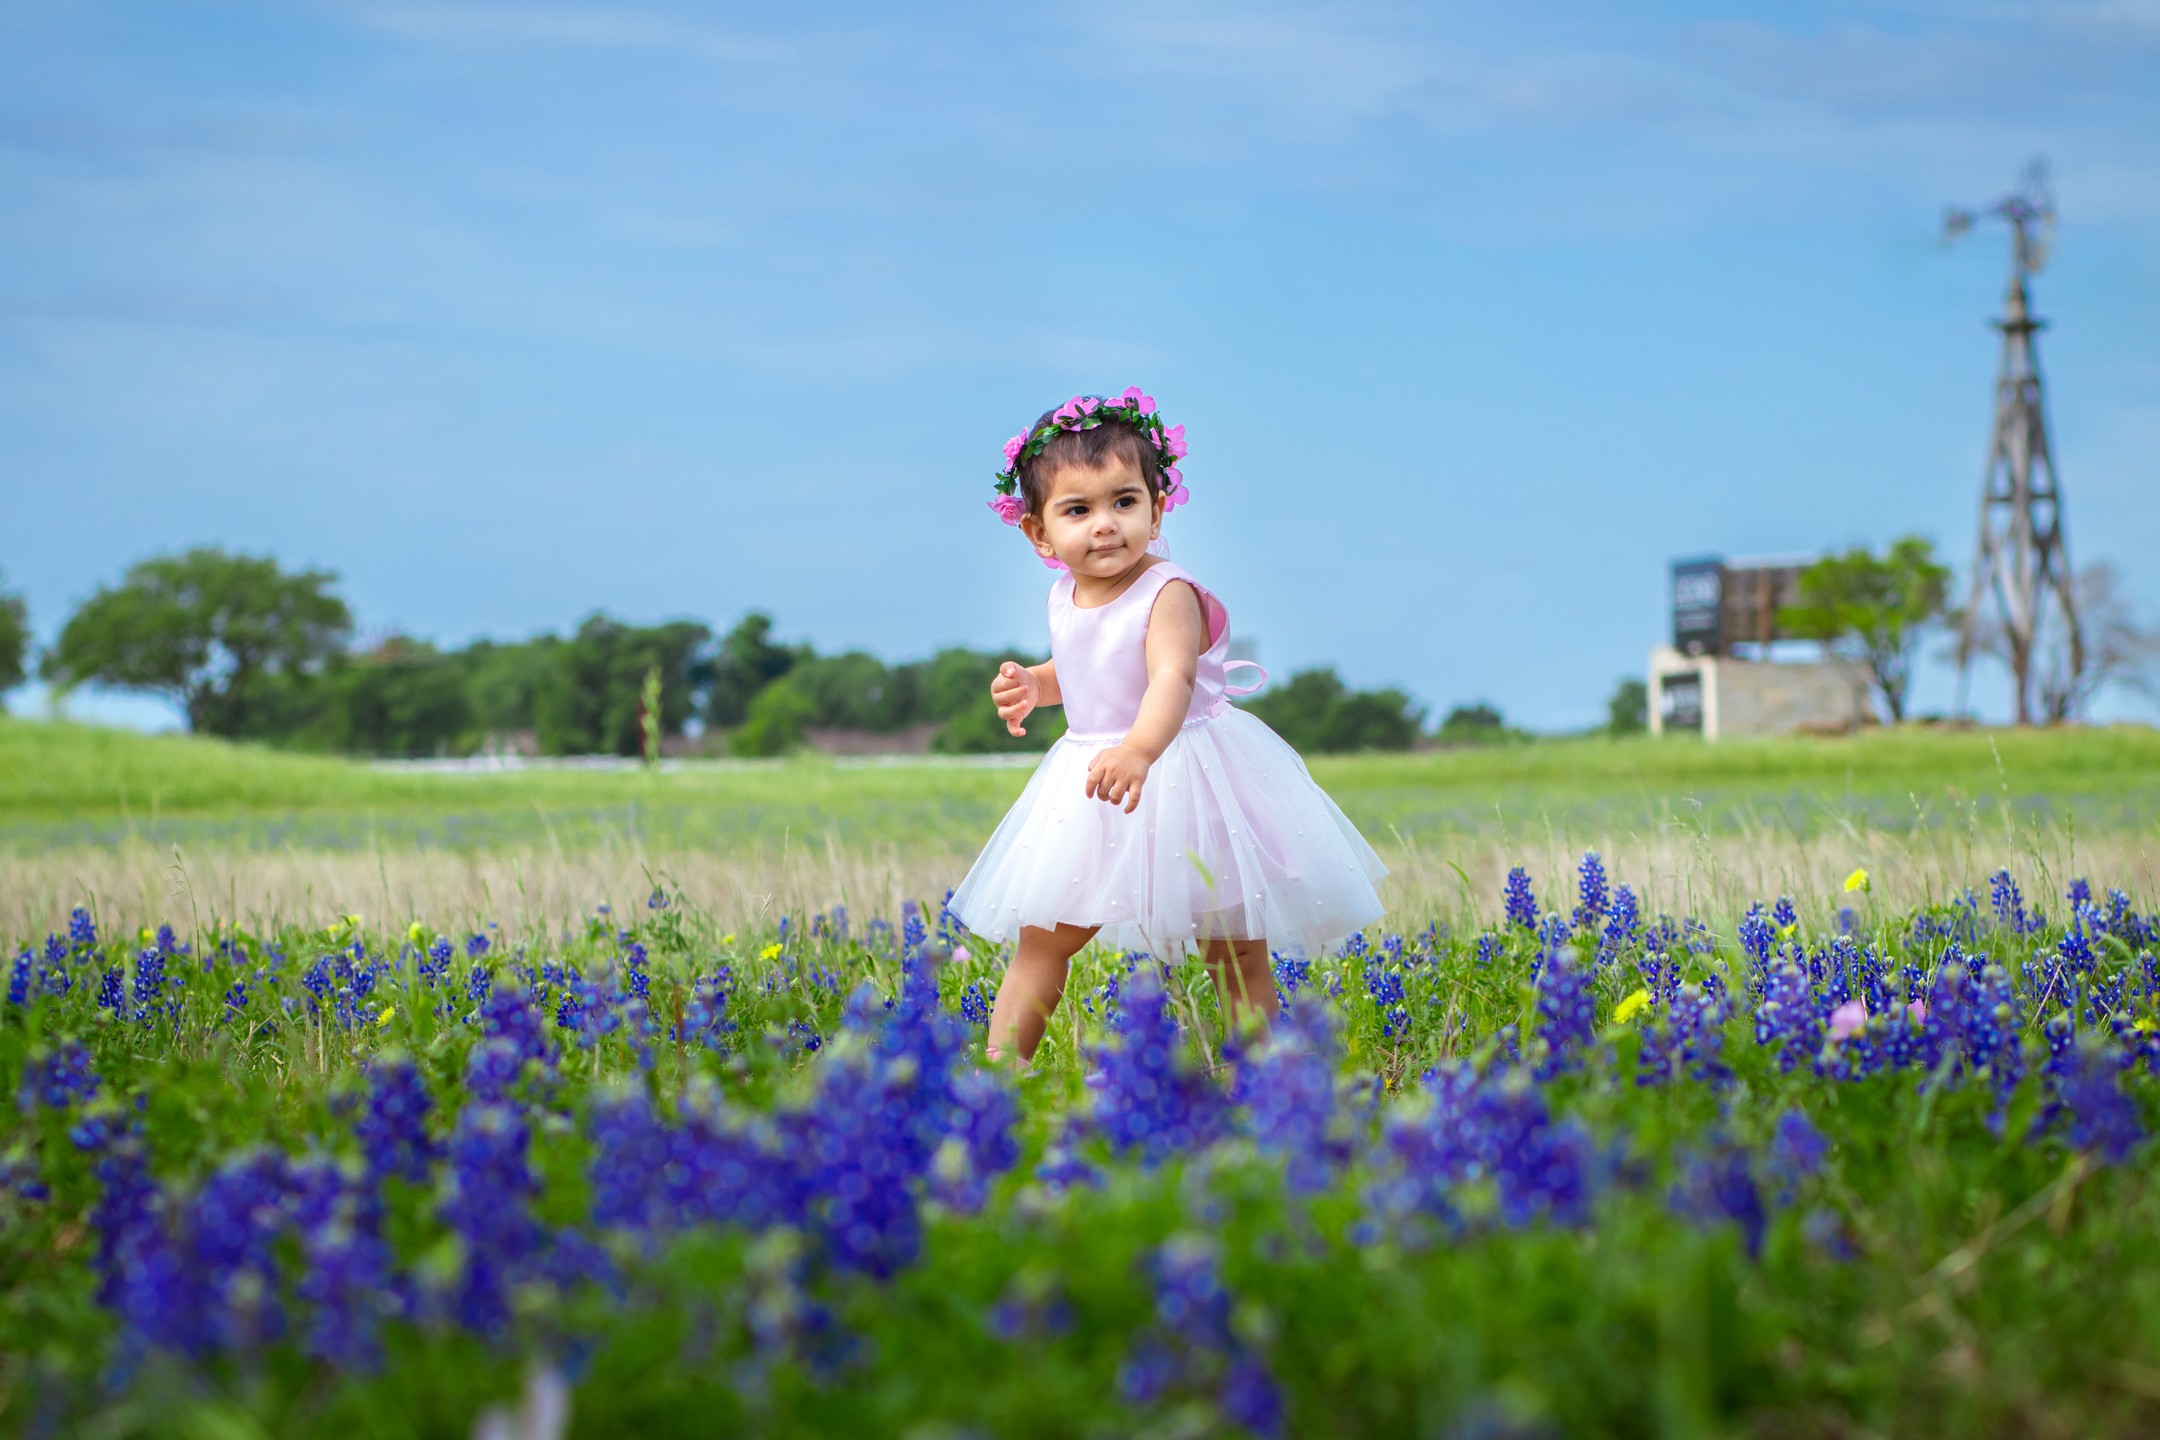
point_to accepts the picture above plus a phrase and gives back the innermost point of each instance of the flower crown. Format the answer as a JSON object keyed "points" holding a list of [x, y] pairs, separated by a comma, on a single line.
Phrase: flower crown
{"points": [[1085, 412]]}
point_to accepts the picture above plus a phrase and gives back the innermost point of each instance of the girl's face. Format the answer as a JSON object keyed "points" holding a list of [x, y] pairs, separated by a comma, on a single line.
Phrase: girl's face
{"points": [[1097, 520]]}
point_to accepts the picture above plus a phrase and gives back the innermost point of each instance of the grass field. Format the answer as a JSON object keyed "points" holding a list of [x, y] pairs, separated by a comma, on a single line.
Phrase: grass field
{"points": [[396, 1115], [146, 822]]}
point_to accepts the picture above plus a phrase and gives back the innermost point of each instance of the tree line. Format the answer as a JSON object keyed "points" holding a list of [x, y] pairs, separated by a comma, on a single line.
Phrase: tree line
{"points": [[248, 650]]}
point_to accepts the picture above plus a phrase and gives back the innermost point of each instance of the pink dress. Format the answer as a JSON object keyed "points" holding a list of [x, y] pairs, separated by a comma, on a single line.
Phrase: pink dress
{"points": [[1231, 838]]}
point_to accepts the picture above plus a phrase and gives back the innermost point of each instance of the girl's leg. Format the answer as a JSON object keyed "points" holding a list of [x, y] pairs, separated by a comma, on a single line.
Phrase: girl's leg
{"points": [[1243, 980], [1034, 983]]}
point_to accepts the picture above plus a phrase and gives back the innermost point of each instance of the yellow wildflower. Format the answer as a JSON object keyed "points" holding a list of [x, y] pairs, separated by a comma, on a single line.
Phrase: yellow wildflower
{"points": [[384, 1018], [1629, 1008], [417, 933], [1858, 880], [148, 935], [770, 952]]}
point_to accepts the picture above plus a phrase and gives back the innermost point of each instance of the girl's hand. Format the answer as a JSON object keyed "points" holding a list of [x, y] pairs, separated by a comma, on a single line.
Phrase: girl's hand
{"points": [[1117, 775], [1014, 692]]}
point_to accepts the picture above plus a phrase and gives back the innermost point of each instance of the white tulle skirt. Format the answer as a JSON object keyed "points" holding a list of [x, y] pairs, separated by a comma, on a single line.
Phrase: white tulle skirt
{"points": [[1231, 839]]}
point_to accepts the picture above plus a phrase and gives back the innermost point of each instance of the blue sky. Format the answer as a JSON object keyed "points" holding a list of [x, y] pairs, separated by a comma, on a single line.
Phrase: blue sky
{"points": [[1476, 315]]}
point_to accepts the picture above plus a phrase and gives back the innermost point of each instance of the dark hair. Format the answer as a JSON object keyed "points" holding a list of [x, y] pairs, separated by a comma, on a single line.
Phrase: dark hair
{"points": [[1089, 449]]}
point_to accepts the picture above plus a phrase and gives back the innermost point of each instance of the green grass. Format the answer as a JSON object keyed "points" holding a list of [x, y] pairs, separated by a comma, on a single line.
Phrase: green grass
{"points": [[63, 782]]}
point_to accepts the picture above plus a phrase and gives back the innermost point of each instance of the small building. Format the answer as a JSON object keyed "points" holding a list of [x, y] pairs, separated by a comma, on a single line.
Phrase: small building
{"points": [[1732, 670]]}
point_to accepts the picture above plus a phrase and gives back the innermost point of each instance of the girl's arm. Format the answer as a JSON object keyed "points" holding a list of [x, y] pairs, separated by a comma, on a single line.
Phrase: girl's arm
{"points": [[1176, 634], [1018, 690]]}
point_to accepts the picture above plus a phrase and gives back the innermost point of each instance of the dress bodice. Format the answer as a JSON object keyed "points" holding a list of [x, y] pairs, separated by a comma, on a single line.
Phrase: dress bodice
{"points": [[1101, 654]]}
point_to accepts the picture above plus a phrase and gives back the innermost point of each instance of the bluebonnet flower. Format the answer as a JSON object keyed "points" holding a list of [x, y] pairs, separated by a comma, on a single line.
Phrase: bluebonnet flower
{"points": [[58, 1077], [476, 945], [112, 991], [974, 1005], [492, 1068], [1756, 940], [1521, 903], [508, 1013], [1467, 1127], [2009, 903], [705, 1014], [1797, 1150], [1621, 926], [1287, 1089], [393, 1130], [1695, 1023], [1385, 985], [1783, 915], [1146, 1097], [1291, 973], [981, 1125], [435, 963], [1567, 1015], [149, 984], [487, 1203], [1718, 1185], [1191, 1346], [348, 1276], [1788, 1017], [232, 1226], [82, 931], [1596, 899], [2087, 1097]]}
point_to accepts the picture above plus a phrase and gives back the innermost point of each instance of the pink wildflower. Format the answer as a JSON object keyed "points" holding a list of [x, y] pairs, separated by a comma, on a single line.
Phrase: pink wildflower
{"points": [[1918, 1010], [1848, 1019]]}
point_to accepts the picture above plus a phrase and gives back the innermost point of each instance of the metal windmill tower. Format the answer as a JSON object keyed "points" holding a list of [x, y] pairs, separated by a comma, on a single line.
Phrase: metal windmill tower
{"points": [[2023, 558]]}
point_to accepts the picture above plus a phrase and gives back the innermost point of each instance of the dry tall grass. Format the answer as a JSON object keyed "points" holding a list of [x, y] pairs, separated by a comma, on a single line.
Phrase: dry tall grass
{"points": [[536, 890]]}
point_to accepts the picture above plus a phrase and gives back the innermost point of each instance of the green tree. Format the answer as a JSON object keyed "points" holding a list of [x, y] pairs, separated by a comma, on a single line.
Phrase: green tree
{"points": [[953, 686], [216, 634], [1628, 711], [14, 639], [1318, 714], [748, 661], [778, 716], [588, 702], [504, 681], [1478, 724], [402, 698], [1873, 610]]}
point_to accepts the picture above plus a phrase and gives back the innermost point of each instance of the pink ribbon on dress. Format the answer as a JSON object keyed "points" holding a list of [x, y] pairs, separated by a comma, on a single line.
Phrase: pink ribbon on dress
{"points": [[1229, 689]]}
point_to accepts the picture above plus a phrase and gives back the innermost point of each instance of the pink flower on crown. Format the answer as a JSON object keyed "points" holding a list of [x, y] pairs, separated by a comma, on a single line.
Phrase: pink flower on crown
{"points": [[1014, 446], [1009, 508], [1067, 412], [1177, 494], [1173, 440], [1145, 404]]}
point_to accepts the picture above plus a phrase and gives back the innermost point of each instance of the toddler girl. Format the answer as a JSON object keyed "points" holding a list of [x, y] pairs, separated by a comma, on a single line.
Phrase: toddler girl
{"points": [[1164, 818]]}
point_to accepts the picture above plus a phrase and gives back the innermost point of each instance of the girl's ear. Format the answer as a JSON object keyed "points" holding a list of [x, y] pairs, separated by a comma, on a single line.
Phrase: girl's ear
{"points": [[1155, 524], [1032, 527]]}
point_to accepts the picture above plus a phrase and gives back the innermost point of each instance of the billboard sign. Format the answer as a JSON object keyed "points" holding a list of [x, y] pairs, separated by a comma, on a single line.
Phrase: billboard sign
{"points": [[1680, 701], [1698, 606]]}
